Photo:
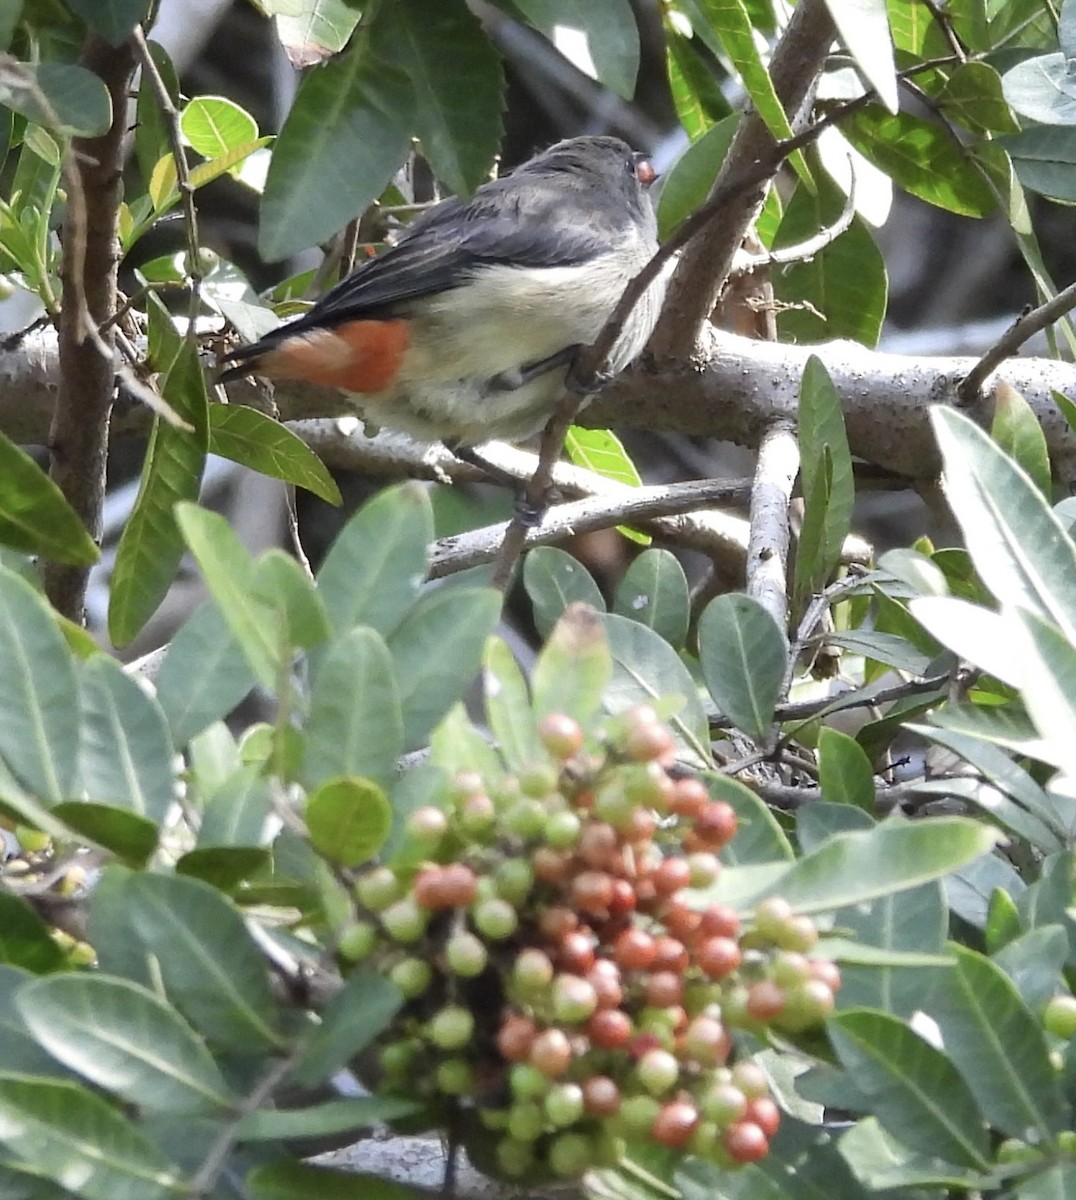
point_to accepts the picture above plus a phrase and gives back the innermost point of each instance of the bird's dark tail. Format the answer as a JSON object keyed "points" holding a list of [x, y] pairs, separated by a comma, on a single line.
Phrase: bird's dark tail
{"points": [[244, 359]]}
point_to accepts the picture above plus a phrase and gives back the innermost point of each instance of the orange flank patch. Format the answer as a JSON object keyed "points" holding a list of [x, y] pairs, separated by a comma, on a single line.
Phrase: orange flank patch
{"points": [[361, 356]]}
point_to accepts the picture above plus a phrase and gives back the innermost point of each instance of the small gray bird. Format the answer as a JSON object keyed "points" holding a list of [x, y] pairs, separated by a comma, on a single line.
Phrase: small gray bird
{"points": [[464, 330]]}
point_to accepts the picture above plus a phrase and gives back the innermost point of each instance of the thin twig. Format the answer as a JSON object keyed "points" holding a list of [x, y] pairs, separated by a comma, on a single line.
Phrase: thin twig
{"points": [[806, 249], [1023, 328], [183, 174], [816, 610], [479, 546], [946, 26]]}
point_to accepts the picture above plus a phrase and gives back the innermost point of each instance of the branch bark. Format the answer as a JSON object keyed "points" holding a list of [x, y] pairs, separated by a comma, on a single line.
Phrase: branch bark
{"points": [[78, 437]]}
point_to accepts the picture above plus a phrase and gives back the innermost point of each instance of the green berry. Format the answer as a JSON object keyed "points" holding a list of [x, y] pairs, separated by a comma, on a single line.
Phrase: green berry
{"points": [[412, 976], [404, 921], [657, 1071], [562, 830], [574, 999], [451, 1028], [527, 1082], [526, 817], [455, 1077], [357, 941], [570, 1155], [427, 826], [495, 919], [526, 1121], [515, 1158], [532, 971], [377, 889], [638, 1113], [1059, 1016], [564, 1104], [466, 955], [513, 880], [537, 779]]}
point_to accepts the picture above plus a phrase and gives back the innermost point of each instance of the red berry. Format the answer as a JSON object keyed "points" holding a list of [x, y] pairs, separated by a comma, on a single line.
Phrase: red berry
{"points": [[634, 950], [609, 1028], [561, 735], [556, 921], [646, 741], [689, 797], [445, 887], [765, 1000], [623, 900], [592, 892], [716, 825], [601, 1096], [764, 1113], [604, 978], [745, 1142], [551, 1053], [718, 956], [640, 827], [669, 954], [826, 971], [576, 951], [720, 921], [515, 1038], [671, 876], [597, 841], [682, 922], [664, 989], [551, 866], [675, 1124]]}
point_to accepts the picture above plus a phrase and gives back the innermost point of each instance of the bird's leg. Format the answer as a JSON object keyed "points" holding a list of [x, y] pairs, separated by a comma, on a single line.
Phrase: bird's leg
{"points": [[526, 513], [517, 377]]}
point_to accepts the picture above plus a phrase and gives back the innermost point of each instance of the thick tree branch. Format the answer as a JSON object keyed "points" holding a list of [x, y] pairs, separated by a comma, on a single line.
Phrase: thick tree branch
{"points": [[767, 552], [79, 434], [796, 63]]}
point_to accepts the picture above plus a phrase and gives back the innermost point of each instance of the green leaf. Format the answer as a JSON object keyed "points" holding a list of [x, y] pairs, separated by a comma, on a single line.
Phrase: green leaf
{"points": [[213, 125], [1057, 1182], [125, 1039], [844, 771], [1044, 158], [204, 675], [841, 290], [435, 44], [437, 652], [1034, 962], [455, 746], [730, 20], [609, 31], [853, 868], [355, 725], [236, 812], [151, 140], [881, 1162], [654, 592], [63, 97], [125, 754], [229, 574], [646, 669], [508, 708], [912, 921], [1017, 431], [209, 966], [601, 451], [828, 494], [998, 1047], [914, 1089], [311, 30], [322, 1120], [574, 667], [348, 819], [151, 546], [554, 579], [743, 655], [1042, 89], [922, 158], [428, 784], [285, 589], [129, 835], [67, 1134], [34, 515], [360, 1012], [863, 26], [224, 867], [376, 566], [973, 96], [20, 1052], [114, 20], [696, 95], [816, 823], [692, 176], [24, 937], [251, 438], [39, 710], [290, 1180], [361, 98], [1017, 544]]}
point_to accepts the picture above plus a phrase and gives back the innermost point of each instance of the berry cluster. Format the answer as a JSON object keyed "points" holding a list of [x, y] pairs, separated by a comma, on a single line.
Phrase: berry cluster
{"points": [[560, 977]]}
